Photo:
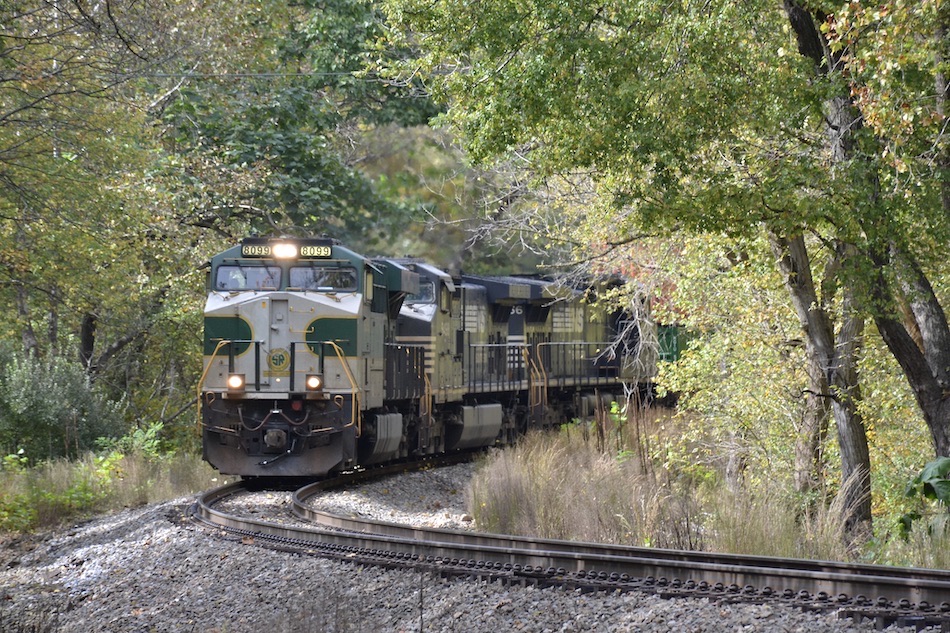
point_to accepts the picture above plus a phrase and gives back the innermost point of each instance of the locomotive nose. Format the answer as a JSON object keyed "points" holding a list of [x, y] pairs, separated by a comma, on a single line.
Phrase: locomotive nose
{"points": [[275, 438]]}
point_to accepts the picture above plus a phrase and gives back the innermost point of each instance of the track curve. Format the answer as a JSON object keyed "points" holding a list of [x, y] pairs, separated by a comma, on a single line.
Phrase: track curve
{"points": [[888, 594]]}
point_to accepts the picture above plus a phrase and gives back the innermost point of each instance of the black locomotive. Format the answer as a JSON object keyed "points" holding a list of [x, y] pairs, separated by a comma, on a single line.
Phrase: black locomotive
{"points": [[318, 359]]}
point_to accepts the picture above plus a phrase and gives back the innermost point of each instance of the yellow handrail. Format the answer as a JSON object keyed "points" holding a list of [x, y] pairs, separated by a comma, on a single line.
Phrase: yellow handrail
{"points": [[357, 408], [201, 381], [357, 415], [539, 380]]}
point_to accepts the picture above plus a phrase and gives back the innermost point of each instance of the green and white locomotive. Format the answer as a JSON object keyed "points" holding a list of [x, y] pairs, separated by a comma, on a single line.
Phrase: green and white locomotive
{"points": [[318, 359]]}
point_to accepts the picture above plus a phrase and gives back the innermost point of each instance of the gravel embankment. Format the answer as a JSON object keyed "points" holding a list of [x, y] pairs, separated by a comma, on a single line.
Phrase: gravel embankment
{"points": [[143, 571]]}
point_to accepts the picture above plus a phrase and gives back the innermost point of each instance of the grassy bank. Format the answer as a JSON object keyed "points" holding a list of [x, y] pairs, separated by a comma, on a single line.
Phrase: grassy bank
{"points": [[562, 486], [589, 483], [56, 492]]}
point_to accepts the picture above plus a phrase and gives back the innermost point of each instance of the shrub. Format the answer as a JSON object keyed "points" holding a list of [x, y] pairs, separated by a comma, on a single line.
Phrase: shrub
{"points": [[49, 409], [61, 490], [932, 488]]}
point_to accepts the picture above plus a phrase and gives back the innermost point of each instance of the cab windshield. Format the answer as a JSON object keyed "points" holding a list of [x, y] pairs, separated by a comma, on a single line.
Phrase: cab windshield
{"points": [[247, 277], [323, 278], [426, 293]]}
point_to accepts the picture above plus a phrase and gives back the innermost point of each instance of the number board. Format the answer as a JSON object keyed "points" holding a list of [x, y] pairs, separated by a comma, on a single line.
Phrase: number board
{"points": [[284, 250], [319, 251], [255, 250]]}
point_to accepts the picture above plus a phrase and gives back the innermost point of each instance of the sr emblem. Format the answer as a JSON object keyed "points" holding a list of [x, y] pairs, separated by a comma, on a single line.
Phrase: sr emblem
{"points": [[279, 360]]}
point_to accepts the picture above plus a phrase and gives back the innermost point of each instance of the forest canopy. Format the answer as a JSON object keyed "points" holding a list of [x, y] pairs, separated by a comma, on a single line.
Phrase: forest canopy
{"points": [[774, 174]]}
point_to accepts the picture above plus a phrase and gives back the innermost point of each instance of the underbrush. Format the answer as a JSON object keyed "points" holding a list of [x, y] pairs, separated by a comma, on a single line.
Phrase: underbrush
{"points": [[586, 483], [924, 547], [58, 491], [563, 487]]}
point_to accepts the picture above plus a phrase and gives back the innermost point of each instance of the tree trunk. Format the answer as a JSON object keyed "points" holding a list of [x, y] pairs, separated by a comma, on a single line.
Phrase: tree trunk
{"points": [[836, 360], [813, 427], [852, 436], [930, 393], [31, 346], [926, 364], [52, 328], [87, 341]]}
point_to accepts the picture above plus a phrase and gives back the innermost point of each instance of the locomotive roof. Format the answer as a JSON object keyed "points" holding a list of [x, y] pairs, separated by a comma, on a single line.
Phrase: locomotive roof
{"points": [[508, 288], [428, 270], [397, 277], [238, 251]]}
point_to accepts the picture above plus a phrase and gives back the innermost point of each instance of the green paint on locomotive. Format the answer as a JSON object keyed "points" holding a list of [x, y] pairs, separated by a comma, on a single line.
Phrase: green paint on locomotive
{"points": [[231, 328], [673, 340], [343, 332]]}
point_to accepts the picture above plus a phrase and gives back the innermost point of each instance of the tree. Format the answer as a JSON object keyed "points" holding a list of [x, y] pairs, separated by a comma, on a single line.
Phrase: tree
{"points": [[64, 130], [699, 117], [896, 58], [265, 137], [80, 217]]}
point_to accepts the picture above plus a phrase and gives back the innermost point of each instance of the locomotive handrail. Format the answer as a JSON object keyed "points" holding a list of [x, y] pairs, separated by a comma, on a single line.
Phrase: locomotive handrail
{"points": [[494, 379], [536, 370], [357, 413], [257, 357], [204, 375], [578, 362], [356, 416], [544, 372]]}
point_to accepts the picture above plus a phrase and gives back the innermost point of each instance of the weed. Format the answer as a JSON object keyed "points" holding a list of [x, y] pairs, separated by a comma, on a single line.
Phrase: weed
{"points": [[60, 490], [572, 484]]}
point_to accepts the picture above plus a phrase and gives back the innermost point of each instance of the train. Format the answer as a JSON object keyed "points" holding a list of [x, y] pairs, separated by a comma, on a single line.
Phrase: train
{"points": [[319, 360]]}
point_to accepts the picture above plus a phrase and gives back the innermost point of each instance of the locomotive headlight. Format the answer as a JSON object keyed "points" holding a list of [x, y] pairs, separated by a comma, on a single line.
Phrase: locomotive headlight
{"points": [[284, 250], [235, 383], [314, 382]]}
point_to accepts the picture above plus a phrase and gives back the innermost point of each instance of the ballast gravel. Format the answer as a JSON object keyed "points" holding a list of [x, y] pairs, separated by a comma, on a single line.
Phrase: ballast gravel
{"points": [[144, 570]]}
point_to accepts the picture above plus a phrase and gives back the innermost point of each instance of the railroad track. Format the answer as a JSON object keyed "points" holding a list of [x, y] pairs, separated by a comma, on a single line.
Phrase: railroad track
{"points": [[914, 597]]}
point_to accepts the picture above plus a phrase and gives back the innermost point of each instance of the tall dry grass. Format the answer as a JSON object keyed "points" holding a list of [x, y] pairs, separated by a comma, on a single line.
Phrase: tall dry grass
{"points": [[591, 482], [771, 521], [565, 486]]}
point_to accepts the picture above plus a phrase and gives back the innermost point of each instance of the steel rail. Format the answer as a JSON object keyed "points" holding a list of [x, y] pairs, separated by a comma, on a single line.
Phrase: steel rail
{"points": [[596, 566], [832, 578], [677, 560]]}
